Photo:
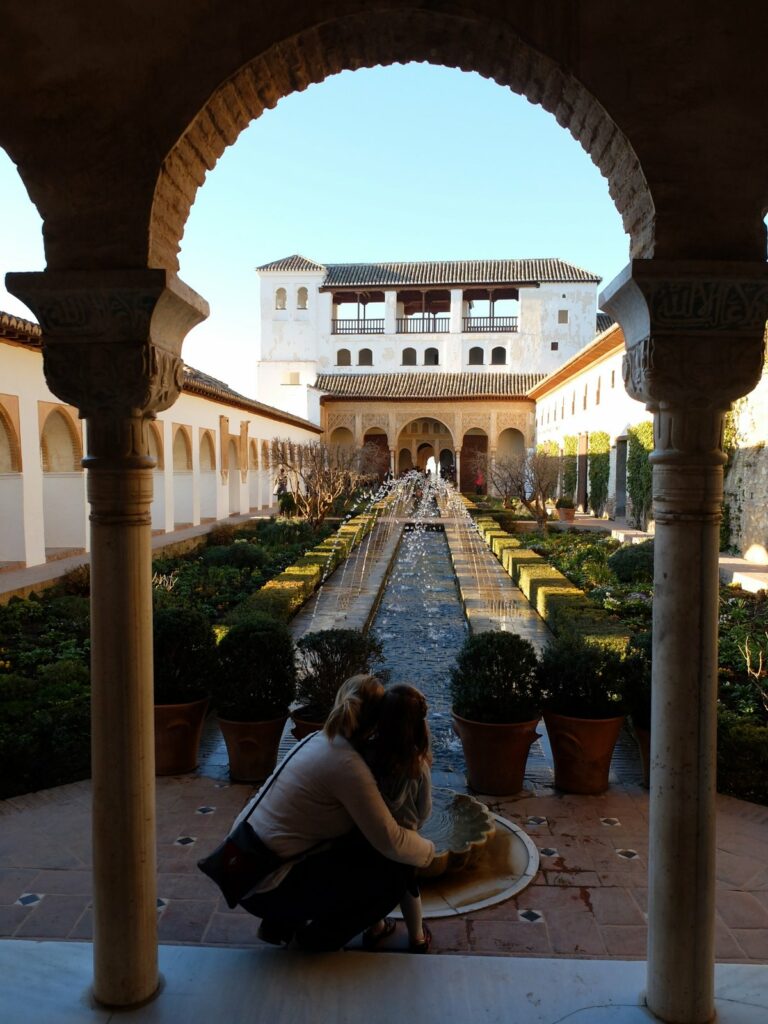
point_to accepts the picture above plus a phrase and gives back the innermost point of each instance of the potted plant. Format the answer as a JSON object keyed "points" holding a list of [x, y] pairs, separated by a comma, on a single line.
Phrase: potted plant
{"points": [[637, 697], [496, 708], [326, 658], [254, 687], [582, 683], [184, 653], [565, 509]]}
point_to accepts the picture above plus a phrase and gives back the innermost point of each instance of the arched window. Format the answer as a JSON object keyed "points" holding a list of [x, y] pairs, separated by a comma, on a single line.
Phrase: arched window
{"points": [[409, 357], [207, 453], [476, 356], [343, 357], [60, 446], [10, 460], [431, 357], [182, 452], [302, 298], [365, 357], [498, 356], [280, 298]]}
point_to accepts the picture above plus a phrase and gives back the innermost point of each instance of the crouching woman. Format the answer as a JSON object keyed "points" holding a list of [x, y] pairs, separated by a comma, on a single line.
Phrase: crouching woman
{"points": [[326, 803]]}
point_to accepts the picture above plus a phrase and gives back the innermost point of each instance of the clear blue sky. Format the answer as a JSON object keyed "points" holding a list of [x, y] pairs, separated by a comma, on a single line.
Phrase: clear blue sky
{"points": [[400, 163]]}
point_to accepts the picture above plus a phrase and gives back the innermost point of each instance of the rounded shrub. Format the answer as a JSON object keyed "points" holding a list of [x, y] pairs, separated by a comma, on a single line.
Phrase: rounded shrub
{"points": [[184, 655], [256, 677], [326, 659], [633, 563], [582, 679], [240, 555], [495, 679]]}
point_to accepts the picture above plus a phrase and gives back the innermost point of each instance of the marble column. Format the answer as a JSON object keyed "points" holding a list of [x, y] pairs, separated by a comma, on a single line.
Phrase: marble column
{"points": [[694, 337], [112, 347]]}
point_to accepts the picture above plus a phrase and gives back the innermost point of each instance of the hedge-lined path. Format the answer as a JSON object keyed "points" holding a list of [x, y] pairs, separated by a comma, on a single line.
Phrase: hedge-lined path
{"points": [[588, 900]]}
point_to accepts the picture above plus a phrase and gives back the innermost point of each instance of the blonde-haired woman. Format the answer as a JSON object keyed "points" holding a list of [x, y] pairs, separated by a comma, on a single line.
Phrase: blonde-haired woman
{"points": [[327, 792]]}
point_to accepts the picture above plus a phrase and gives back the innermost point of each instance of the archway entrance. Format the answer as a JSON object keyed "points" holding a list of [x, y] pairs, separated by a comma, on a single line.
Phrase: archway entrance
{"points": [[474, 445], [422, 439], [377, 439]]}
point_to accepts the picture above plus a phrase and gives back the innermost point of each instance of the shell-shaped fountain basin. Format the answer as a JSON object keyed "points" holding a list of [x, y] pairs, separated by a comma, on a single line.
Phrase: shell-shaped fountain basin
{"points": [[460, 827]]}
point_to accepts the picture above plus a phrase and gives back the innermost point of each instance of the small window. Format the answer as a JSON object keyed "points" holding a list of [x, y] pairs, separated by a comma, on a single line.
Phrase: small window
{"points": [[343, 357], [409, 357], [573, 404], [499, 356], [302, 298], [562, 316], [597, 393], [476, 356], [280, 298], [585, 397], [613, 378], [365, 357], [555, 345], [562, 410], [291, 378], [431, 357]]}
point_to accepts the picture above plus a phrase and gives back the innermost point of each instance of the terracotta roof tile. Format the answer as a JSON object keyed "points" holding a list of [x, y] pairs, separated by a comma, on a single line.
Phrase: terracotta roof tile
{"points": [[295, 262], [200, 383], [427, 385], [604, 321], [15, 328]]}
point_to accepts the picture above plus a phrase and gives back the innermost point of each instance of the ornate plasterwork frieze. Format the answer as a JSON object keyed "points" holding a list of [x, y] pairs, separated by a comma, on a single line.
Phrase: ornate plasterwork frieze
{"points": [[341, 419], [694, 306]]}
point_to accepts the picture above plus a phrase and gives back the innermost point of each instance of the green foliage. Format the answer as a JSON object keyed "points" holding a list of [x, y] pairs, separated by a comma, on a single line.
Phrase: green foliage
{"points": [[742, 757], [495, 679], [240, 554], [326, 659], [633, 563], [565, 503], [77, 581], [549, 448], [640, 472], [256, 676], [582, 679], [44, 728], [287, 504], [184, 655], [39, 631], [599, 468], [725, 527], [743, 652], [570, 467]]}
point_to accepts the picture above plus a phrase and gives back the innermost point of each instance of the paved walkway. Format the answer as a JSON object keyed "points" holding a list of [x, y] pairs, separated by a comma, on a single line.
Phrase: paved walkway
{"points": [[588, 900]]}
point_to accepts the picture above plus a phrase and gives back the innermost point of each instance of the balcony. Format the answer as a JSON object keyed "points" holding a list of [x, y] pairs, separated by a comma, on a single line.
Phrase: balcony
{"points": [[423, 324], [489, 324], [374, 326]]}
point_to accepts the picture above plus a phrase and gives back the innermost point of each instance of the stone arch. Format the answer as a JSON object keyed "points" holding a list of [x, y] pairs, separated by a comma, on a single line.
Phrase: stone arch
{"points": [[10, 449], [234, 476], [265, 455], [182, 449], [281, 298], [474, 447], [155, 441], [342, 435], [469, 40], [510, 442], [253, 455], [60, 445], [302, 298], [404, 461], [207, 452]]}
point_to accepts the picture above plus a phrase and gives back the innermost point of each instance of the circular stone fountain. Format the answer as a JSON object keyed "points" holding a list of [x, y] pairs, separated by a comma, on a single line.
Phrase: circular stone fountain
{"points": [[460, 827]]}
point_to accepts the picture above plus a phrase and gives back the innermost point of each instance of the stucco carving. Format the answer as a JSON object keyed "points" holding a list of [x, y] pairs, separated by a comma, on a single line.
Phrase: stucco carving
{"points": [[372, 419], [341, 419], [707, 305]]}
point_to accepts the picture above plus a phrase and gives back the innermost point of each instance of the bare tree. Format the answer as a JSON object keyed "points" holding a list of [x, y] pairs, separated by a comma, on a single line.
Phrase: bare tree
{"points": [[319, 473], [529, 477]]}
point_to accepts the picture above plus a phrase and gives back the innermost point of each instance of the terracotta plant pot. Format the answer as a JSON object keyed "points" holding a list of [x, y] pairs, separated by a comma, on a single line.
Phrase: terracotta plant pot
{"points": [[643, 737], [496, 755], [304, 726], [566, 515], [582, 749], [252, 747], [178, 728]]}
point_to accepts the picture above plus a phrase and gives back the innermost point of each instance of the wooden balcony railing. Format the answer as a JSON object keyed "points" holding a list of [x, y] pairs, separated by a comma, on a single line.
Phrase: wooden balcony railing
{"points": [[423, 325], [485, 324], [374, 326]]}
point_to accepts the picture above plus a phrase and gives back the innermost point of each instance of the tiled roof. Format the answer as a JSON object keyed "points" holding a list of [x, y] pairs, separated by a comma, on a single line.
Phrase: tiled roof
{"points": [[438, 272], [15, 328], [294, 262], [427, 385], [604, 321], [200, 383]]}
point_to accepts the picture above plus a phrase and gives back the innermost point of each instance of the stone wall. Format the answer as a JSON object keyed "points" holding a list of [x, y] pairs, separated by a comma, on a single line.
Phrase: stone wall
{"points": [[746, 476]]}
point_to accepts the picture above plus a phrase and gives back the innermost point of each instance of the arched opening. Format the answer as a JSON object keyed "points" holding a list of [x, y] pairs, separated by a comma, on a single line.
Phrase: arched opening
{"points": [[64, 505], [447, 465], [342, 435], [511, 443], [343, 357], [376, 437], [233, 477], [182, 477], [431, 357], [498, 356], [302, 298], [424, 451], [12, 543], [253, 475], [158, 477], [476, 356], [365, 357], [409, 357], [420, 439], [281, 299], [207, 476], [474, 451]]}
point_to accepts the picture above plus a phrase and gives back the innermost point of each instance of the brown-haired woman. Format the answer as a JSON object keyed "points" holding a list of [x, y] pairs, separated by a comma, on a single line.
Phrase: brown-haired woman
{"points": [[327, 792], [400, 757]]}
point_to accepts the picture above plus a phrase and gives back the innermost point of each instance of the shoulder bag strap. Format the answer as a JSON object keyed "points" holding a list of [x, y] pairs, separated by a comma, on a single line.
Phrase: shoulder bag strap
{"points": [[275, 774]]}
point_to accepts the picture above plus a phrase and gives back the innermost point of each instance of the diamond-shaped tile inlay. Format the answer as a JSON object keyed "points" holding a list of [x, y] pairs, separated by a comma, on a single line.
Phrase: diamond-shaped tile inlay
{"points": [[627, 854], [610, 822], [536, 820], [28, 899], [221, 785], [548, 851], [530, 916], [185, 841], [162, 903], [205, 810]]}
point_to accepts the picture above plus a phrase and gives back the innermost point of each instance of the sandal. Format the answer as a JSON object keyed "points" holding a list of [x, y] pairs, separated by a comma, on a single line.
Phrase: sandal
{"points": [[422, 945], [373, 937]]}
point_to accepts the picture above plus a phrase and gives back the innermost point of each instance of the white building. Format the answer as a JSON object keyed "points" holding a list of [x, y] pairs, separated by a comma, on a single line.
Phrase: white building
{"points": [[453, 317]]}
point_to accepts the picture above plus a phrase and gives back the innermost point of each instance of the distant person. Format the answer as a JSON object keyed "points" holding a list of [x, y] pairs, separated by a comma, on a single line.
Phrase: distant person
{"points": [[431, 467], [400, 758], [479, 482], [281, 484]]}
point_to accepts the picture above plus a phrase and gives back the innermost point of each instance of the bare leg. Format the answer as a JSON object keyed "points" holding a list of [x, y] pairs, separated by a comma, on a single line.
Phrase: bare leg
{"points": [[410, 905]]}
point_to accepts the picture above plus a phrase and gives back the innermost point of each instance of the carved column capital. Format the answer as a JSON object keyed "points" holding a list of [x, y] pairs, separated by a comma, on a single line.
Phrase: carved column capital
{"points": [[112, 348], [694, 331]]}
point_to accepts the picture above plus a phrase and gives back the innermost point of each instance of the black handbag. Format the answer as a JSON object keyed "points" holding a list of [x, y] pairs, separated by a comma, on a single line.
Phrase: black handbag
{"points": [[242, 860]]}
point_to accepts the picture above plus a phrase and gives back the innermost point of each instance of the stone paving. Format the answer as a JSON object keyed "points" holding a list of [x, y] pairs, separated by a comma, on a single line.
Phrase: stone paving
{"points": [[588, 900]]}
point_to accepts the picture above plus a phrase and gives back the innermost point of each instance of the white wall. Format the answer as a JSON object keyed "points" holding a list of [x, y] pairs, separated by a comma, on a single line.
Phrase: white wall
{"points": [[63, 503], [11, 517]]}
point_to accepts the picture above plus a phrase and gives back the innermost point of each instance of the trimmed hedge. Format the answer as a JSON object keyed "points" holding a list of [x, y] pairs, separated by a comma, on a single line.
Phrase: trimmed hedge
{"points": [[742, 757]]}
